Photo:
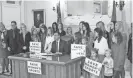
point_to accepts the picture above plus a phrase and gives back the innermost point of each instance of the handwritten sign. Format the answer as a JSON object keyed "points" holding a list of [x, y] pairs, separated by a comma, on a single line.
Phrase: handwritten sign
{"points": [[35, 47], [78, 50], [92, 66], [34, 67]]}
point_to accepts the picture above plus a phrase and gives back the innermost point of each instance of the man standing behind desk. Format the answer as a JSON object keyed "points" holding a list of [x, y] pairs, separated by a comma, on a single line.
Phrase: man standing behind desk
{"points": [[12, 39], [59, 45]]}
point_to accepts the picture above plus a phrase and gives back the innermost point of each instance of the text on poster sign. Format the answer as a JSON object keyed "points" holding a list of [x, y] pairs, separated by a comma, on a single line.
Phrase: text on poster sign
{"points": [[78, 50], [34, 67], [92, 66], [35, 47]]}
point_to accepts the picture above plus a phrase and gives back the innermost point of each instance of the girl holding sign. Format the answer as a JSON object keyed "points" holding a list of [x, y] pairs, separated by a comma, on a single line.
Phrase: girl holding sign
{"points": [[94, 57]]}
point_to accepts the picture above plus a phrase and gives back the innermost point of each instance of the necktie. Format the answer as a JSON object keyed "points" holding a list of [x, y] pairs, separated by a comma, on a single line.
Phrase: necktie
{"points": [[13, 34], [57, 46]]}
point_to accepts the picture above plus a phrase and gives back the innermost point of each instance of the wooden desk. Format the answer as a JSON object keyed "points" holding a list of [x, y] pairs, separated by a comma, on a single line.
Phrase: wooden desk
{"points": [[64, 68]]}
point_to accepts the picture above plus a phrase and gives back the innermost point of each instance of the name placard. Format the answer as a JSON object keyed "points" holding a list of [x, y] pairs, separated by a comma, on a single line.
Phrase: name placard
{"points": [[34, 67], [78, 50], [92, 66], [35, 47]]}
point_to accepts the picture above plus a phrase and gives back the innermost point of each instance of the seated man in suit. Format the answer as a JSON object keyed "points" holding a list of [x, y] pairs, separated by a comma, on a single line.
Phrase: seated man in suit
{"points": [[59, 45]]}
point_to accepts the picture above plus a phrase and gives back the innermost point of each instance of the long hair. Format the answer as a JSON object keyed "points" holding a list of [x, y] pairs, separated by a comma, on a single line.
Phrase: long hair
{"points": [[62, 28], [81, 22], [121, 26], [54, 23], [87, 26], [118, 36], [51, 30], [44, 27], [22, 24], [100, 33]]}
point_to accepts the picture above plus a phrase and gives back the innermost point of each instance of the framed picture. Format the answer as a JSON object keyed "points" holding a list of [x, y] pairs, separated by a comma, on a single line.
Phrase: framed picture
{"points": [[39, 17], [97, 7]]}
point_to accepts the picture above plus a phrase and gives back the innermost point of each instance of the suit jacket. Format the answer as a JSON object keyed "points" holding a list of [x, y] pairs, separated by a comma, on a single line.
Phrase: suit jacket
{"points": [[24, 43], [62, 47], [13, 42]]}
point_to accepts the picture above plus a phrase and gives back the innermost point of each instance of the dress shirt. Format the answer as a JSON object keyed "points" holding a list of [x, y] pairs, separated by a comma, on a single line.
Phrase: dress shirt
{"points": [[58, 44]]}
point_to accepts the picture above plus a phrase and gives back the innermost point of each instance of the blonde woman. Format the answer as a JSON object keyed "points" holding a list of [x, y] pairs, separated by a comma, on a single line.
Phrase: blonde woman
{"points": [[24, 39], [49, 40], [119, 27], [69, 33], [35, 35]]}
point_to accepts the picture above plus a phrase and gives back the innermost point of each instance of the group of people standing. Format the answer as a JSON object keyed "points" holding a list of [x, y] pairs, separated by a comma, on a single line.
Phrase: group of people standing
{"points": [[106, 47]]}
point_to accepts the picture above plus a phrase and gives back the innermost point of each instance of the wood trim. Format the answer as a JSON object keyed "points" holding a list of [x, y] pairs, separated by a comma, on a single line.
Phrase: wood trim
{"points": [[44, 12], [38, 10]]}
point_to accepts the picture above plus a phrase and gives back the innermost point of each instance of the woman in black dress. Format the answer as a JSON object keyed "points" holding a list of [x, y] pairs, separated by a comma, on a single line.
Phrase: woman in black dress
{"points": [[61, 30], [24, 39]]}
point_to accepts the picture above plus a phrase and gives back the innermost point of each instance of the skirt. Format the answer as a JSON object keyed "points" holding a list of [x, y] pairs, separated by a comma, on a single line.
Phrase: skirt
{"points": [[4, 53]]}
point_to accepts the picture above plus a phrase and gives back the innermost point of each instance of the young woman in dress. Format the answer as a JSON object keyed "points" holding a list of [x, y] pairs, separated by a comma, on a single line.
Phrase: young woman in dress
{"points": [[61, 29], [42, 35], [49, 40]]}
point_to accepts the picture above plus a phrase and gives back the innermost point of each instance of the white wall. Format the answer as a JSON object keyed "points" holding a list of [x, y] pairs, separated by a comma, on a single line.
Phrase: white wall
{"points": [[89, 15], [51, 16], [125, 15], [9, 12], [0, 11]]}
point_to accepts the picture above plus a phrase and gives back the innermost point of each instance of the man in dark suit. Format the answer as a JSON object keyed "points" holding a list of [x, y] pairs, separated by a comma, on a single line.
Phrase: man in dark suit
{"points": [[38, 21], [59, 45], [12, 38]]}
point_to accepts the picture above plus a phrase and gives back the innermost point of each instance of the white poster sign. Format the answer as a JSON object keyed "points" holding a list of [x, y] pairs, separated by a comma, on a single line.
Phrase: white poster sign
{"points": [[78, 50], [92, 66], [35, 47], [34, 67]]}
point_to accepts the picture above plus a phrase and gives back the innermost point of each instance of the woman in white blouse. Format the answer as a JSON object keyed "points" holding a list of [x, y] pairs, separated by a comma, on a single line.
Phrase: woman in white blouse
{"points": [[49, 40], [101, 45]]}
